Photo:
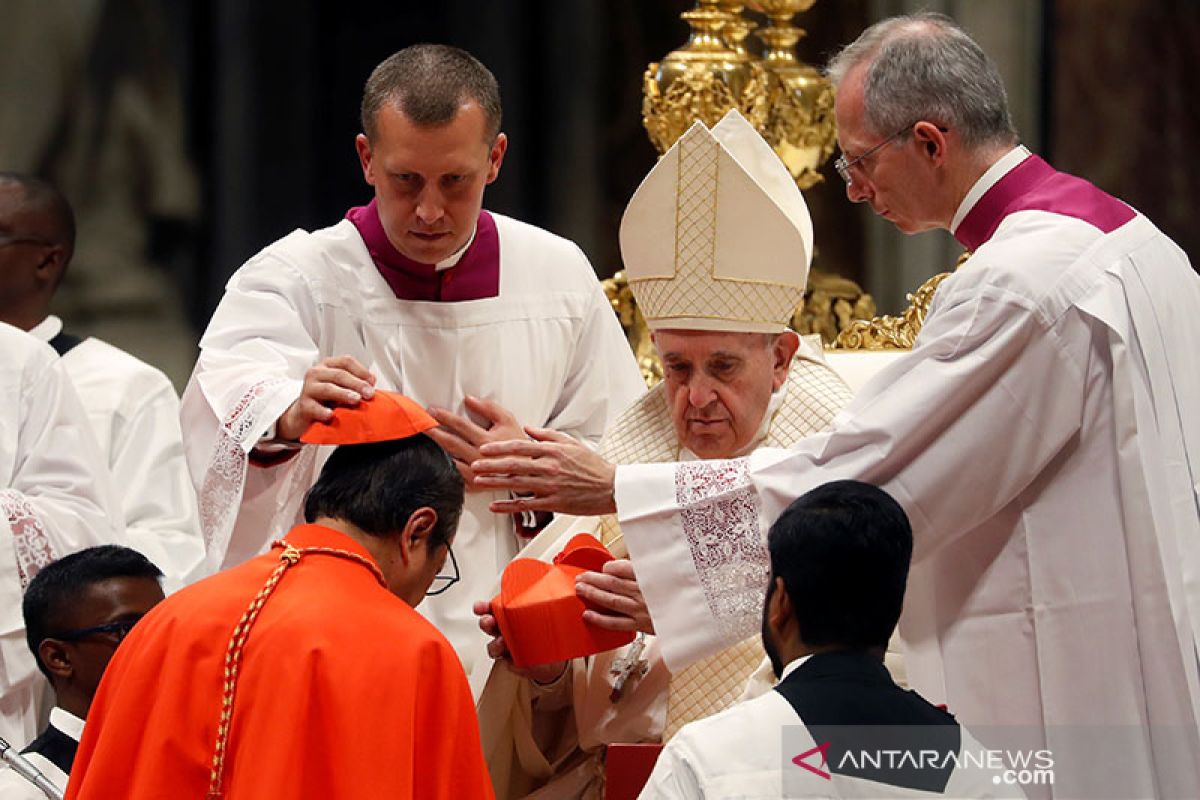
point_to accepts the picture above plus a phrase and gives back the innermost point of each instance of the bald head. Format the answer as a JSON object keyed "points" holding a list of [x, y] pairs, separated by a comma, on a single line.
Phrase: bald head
{"points": [[42, 201], [37, 239]]}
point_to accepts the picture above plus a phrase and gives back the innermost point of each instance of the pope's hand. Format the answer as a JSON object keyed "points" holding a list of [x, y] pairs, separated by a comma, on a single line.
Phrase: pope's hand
{"points": [[462, 438], [615, 589], [336, 381], [553, 472], [496, 648]]}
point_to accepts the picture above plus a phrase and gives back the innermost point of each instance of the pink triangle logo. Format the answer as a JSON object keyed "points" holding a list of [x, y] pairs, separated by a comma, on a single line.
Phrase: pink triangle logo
{"points": [[818, 770]]}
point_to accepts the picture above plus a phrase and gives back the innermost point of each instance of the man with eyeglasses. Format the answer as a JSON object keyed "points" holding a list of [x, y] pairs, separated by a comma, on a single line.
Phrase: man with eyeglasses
{"points": [[307, 671], [1042, 436], [77, 611]]}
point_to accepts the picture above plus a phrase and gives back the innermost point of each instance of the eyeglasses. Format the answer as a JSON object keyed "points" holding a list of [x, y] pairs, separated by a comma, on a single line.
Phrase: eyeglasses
{"points": [[843, 166], [118, 630], [444, 582]]}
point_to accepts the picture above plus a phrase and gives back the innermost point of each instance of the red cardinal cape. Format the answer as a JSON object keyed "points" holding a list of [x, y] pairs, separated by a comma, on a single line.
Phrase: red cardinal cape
{"points": [[343, 691]]}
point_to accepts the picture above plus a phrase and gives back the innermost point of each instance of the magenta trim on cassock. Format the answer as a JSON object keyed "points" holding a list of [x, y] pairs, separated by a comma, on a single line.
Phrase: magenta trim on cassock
{"points": [[474, 277], [1034, 185]]}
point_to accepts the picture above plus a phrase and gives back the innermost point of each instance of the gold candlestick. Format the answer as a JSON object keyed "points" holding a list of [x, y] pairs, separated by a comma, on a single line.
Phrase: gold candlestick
{"points": [[702, 80], [800, 125]]}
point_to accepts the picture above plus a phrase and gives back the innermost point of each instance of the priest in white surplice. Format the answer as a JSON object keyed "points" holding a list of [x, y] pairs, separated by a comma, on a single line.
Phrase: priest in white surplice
{"points": [[735, 379], [422, 292], [55, 498], [1042, 436], [132, 407]]}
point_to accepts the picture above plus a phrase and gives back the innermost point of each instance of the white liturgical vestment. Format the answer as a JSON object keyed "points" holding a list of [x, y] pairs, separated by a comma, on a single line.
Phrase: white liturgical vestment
{"points": [[1044, 437], [524, 745], [55, 499], [134, 414], [16, 787], [548, 348]]}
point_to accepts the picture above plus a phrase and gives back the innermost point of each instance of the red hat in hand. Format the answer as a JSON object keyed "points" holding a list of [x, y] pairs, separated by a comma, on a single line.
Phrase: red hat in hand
{"points": [[539, 614]]}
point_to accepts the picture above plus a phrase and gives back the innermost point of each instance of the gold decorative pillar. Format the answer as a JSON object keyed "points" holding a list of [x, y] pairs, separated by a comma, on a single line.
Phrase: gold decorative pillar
{"points": [[703, 80], [800, 125]]}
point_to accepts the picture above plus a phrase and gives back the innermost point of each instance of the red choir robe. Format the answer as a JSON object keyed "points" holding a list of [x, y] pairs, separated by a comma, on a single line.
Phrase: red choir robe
{"points": [[344, 691]]}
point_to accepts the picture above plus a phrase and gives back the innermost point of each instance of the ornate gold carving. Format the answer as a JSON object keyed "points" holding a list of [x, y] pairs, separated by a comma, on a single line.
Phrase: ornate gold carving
{"points": [[703, 80], [737, 27], [637, 332], [830, 305], [801, 124], [896, 333], [892, 333], [788, 102]]}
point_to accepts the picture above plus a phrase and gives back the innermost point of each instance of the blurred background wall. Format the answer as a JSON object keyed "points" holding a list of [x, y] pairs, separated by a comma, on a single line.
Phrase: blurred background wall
{"points": [[191, 133]]}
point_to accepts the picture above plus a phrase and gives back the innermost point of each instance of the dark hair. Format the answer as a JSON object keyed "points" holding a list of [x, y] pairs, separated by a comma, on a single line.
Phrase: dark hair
{"points": [[57, 588], [44, 199], [843, 551], [429, 82], [376, 487]]}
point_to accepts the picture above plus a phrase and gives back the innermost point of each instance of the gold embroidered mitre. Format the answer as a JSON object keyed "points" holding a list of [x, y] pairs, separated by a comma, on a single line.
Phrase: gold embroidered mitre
{"points": [[718, 236]]}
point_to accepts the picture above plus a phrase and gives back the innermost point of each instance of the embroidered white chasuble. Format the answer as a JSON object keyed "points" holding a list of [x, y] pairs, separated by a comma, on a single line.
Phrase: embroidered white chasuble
{"points": [[523, 741]]}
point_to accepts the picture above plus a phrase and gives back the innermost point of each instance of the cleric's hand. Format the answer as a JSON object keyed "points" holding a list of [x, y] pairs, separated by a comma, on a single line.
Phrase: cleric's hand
{"points": [[554, 473], [497, 649], [335, 381], [461, 438], [616, 590]]}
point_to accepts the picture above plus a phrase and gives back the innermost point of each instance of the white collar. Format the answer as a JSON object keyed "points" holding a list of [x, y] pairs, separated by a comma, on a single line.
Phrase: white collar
{"points": [[987, 180], [455, 257], [47, 329], [793, 666], [66, 722]]}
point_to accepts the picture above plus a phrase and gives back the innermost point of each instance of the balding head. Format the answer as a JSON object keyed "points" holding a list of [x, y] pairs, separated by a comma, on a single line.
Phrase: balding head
{"points": [[45, 204], [37, 240], [925, 67]]}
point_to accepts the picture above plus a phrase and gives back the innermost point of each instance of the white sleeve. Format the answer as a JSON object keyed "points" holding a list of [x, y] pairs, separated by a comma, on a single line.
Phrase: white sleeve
{"points": [[989, 391], [15, 787], [147, 463], [60, 497], [253, 356]]}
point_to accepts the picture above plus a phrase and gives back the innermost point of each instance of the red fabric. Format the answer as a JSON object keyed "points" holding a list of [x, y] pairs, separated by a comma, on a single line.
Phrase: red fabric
{"points": [[474, 277], [386, 416], [344, 692], [627, 767], [539, 614], [1034, 185]]}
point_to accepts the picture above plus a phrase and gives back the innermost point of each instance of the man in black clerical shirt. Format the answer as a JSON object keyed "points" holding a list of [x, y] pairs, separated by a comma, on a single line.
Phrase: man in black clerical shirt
{"points": [[839, 564], [77, 610]]}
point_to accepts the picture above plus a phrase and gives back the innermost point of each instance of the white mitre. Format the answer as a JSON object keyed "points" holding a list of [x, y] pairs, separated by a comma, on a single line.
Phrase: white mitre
{"points": [[718, 236]]}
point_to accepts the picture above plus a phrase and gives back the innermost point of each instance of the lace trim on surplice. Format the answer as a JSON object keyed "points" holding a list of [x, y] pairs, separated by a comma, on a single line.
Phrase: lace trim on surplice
{"points": [[719, 513], [225, 479], [30, 540]]}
